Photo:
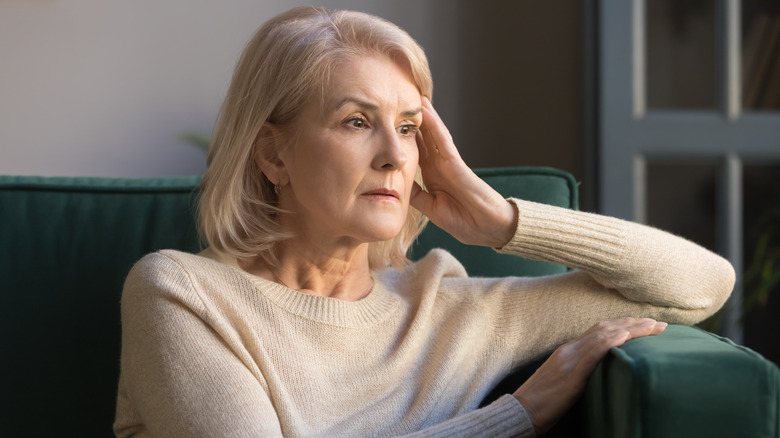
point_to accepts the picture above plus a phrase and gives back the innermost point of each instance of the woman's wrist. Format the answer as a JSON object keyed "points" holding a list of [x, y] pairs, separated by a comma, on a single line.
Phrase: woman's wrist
{"points": [[508, 231]]}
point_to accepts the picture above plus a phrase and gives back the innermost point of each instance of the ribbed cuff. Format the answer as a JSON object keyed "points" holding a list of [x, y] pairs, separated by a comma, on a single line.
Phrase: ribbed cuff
{"points": [[571, 238], [504, 418]]}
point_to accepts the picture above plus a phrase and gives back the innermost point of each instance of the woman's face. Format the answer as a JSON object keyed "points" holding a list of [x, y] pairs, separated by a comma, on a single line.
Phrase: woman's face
{"points": [[353, 159]]}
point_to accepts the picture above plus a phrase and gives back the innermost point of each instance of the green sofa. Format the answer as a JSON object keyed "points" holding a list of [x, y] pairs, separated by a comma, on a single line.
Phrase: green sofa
{"points": [[66, 245]]}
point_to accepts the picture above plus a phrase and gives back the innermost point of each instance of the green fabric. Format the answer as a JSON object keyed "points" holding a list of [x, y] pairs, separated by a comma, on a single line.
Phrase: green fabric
{"points": [[538, 184], [66, 245], [683, 383]]}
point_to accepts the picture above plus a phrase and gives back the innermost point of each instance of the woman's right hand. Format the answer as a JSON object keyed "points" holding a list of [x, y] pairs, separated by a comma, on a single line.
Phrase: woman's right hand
{"points": [[555, 386], [455, 198]]}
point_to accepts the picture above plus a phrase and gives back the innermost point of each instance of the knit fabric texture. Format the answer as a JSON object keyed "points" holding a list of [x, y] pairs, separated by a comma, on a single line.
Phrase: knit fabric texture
{"points": [[210, 350]]}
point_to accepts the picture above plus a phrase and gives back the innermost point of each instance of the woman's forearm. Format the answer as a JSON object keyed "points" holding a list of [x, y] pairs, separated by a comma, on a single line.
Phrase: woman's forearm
{"points": [[642, 263]]}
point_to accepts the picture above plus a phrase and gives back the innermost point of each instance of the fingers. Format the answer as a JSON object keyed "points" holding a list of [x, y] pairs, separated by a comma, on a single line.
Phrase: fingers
{"points": [[437, 140], [597, 340], [554, 387], [630, 327], [422, 146], [421, 200], [580, 357], [615, 332], [660, 326]]}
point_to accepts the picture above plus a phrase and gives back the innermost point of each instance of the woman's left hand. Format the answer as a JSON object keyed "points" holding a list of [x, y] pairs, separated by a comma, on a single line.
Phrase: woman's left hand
{"points": [[557, 384], [455, 199]]}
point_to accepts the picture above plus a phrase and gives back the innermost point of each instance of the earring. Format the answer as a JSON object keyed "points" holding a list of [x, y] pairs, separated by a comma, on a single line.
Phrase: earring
{"points": [[277, 188]]}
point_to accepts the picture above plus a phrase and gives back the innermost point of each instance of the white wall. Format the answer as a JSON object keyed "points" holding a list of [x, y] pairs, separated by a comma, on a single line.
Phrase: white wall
{"points": [[105, 88]]}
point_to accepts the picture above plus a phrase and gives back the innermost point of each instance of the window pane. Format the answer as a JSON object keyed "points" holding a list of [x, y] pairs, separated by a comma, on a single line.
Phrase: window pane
{"points": [[761, 285], [681, 199], [761, 54], [681, 54]]}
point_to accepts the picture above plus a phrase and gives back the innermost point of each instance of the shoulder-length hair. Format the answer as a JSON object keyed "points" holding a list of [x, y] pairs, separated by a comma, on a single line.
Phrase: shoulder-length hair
{"points": [[287, 62]]}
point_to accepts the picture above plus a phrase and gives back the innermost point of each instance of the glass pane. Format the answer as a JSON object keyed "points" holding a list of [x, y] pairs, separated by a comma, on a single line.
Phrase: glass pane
{"points": [[761, 54], [681, 58], [681, 199], [761, 285]]}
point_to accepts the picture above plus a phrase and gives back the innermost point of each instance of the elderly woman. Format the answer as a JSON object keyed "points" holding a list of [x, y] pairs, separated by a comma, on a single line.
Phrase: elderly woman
{"points": [[304, 317]]}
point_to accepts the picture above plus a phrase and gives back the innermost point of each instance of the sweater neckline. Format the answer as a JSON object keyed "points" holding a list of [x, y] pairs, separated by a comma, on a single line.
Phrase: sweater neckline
{"points": [[372, 309], [375, 307]]}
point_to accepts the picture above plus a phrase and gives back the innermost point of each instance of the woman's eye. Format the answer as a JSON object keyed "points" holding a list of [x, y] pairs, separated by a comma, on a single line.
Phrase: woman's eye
{"points": [[357, 122], [408, 130]]}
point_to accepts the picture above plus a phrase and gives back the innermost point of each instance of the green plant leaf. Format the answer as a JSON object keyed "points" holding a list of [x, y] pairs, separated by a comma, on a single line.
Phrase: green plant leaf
{"points": [[200, 141]]}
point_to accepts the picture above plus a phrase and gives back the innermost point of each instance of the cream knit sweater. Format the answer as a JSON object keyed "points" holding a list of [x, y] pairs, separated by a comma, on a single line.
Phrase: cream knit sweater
{"points": [[209, 350]]}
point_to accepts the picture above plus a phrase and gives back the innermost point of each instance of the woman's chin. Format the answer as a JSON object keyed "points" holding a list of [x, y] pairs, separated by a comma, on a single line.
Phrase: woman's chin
{"points": [[383, 226], [383, 234], [381, 237]]}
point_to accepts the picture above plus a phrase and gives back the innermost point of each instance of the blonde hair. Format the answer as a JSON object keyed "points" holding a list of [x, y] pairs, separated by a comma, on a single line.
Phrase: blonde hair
{"points": [[287, 61]]}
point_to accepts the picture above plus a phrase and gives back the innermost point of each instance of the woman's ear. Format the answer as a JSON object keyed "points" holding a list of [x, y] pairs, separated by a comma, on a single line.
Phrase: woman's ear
{"points": [[266, 154]]}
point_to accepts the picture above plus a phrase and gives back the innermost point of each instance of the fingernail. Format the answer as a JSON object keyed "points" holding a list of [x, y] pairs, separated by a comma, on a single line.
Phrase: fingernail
{"points": [[661, 324]]}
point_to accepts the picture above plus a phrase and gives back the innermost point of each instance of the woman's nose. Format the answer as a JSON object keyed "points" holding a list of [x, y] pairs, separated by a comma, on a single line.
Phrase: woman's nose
{"points": [[390, 152]]}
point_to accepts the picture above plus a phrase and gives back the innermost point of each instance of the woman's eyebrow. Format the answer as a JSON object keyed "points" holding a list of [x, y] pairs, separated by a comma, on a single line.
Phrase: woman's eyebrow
{"points": [[411, 113], [362, 104], [368, 106]]}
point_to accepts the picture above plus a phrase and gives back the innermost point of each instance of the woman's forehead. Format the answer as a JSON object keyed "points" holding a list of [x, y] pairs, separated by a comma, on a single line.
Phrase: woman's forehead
{"points": [[370, 83]]}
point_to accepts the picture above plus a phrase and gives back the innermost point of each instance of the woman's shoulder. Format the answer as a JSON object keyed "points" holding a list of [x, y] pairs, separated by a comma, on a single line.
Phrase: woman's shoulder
{"points": [[170, 261], [425, 274], [172, 272], [436, 263]]}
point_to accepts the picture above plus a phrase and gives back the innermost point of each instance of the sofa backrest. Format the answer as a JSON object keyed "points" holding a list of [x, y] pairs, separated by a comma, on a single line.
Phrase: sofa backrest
{"points": [[66, 245]]}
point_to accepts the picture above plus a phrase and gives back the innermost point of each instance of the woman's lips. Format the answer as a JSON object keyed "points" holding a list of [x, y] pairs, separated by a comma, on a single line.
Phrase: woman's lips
{"points": [[382, 195]]}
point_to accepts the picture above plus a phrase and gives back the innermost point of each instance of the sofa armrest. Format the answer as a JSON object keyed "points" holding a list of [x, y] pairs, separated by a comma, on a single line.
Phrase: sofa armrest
{"points": [[683, 383]]}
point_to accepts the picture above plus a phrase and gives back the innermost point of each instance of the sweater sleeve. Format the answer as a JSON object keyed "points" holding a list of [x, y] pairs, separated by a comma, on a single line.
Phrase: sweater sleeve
{"points": [[178, 377], [504, 418], [621, 269]]}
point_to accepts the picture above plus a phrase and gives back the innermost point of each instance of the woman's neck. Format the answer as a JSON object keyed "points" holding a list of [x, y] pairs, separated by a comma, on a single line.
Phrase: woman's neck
{"points": [[339, 272]]}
